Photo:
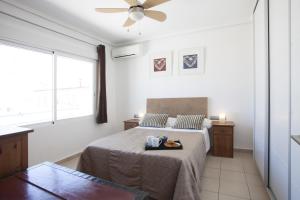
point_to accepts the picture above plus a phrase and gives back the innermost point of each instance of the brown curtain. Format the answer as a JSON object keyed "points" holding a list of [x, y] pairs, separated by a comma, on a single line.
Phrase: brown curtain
{"points": [[101, 107]]}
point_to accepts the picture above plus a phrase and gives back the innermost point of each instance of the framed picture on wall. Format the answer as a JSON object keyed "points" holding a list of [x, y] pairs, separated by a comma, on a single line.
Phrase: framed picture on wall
{"points": [[191, 61], [160, 64]]}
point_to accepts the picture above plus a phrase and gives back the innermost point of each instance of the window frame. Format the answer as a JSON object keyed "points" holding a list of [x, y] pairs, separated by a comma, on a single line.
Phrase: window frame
{"points": [[54, 55]]}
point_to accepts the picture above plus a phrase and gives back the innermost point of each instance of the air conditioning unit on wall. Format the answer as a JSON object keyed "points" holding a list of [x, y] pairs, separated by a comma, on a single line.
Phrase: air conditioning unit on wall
{"points": [[126, 51]]}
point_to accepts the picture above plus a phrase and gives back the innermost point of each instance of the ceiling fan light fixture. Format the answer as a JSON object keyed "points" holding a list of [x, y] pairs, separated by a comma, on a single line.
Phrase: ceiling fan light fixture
{"points": [[136, 13]]}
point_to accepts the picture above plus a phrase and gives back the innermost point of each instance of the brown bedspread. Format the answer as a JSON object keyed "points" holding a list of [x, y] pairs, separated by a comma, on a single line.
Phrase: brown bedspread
{"points": [[164, 174]]}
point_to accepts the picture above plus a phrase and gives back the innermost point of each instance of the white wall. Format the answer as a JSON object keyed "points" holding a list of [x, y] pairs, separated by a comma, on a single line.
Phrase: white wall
{"points": [[279, 97], [66, 137], [227, 82]]}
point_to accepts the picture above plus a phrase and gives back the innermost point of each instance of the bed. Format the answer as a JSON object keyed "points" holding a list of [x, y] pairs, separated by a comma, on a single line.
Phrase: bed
{"points": [[169, 174]]}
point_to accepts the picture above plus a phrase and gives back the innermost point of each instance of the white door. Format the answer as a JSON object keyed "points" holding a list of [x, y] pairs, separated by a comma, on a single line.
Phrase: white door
{"points": [[295, 98], [295, 66], [261, 95], [279, 51]]}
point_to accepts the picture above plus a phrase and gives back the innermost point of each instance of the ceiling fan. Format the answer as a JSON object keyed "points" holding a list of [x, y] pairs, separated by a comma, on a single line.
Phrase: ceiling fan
{"points": [[137, 11]]}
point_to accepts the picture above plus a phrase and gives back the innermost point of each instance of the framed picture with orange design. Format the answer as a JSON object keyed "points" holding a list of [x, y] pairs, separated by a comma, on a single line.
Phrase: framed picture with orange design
{"points": [[161, 64]]}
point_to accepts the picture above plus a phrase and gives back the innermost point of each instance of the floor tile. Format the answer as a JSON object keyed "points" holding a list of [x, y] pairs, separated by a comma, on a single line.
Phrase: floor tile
{"points": [[211, 173], [227, 197], [207, 195], [250, 168], [235, 189], [210, 184], [243, 155], [258, 193], [247, 162], [234, 165], [232, 176], [254, 180], [234, 160], [214, 158], [213, 162], [72, 164]]}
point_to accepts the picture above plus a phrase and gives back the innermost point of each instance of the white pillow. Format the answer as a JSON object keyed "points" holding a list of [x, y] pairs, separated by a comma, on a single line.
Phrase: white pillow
{"points": [[207, 123], [171, 121]]}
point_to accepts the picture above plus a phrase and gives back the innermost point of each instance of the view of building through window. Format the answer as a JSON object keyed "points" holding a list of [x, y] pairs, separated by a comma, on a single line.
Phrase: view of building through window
{"points": [[27, 86], [74, 88]]}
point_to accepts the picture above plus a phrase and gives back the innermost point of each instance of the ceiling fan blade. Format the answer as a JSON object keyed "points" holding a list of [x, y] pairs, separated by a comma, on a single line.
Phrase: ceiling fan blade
{"points": [[128, 22], [152, 3], [111, 10], [156, 15], [131, 2]]}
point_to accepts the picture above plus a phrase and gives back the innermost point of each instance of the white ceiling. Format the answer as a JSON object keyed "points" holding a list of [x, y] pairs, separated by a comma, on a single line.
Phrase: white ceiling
{"points": [[183, 16]]}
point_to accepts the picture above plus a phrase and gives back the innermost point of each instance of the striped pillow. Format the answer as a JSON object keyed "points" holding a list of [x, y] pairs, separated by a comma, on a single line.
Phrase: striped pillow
{"points": [[154, 120], [189, 122]]}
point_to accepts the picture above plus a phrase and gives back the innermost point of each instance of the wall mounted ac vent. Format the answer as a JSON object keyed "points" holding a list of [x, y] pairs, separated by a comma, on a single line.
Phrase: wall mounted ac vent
{"points": [[126, 52]]}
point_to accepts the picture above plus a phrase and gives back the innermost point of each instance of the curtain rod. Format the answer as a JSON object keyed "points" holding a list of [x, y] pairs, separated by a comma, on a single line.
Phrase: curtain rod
{"points": [[44, 27]]}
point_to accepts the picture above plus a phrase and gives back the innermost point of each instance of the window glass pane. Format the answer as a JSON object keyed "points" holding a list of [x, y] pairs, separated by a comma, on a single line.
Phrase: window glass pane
{"points": [[25, 86], [74, 87]]}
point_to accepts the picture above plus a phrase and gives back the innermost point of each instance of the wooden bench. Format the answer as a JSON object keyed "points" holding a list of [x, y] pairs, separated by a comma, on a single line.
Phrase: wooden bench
{"points": [[51, 181]]}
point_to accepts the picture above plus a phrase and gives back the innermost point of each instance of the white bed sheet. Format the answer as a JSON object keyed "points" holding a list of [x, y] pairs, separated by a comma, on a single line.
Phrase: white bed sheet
{"points": [[204, 131]]}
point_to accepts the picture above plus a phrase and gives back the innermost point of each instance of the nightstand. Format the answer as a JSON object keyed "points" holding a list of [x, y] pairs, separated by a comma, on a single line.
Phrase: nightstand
{"points": [[131, 123], [222, 136]]}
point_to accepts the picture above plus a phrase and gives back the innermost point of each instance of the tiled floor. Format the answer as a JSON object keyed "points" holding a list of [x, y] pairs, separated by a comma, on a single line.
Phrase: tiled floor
{"points": [[70, 163], [232, 179], [225, 178]]}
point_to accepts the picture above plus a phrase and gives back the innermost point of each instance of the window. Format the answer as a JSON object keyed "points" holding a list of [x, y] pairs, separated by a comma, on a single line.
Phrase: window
{"points": [[28, 89], [74, 88], [26, 85]]}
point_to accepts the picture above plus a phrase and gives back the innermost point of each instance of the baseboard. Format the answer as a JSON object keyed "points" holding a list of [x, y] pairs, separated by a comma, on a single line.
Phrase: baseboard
{"points": [[244, 150], [68, 158]]}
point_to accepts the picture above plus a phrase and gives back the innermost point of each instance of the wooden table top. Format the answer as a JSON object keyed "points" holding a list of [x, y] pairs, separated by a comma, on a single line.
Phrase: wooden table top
{"points": [[222, 123], [51, 181], [12, 130], [136, 120]]}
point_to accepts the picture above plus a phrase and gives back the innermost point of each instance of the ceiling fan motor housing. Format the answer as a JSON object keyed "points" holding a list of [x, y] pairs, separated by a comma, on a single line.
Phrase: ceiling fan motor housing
{"points": [[136, 13]]}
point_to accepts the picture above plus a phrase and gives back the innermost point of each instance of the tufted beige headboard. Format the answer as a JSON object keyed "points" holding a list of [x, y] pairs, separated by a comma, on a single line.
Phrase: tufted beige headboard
{"points": [[177, 106]]}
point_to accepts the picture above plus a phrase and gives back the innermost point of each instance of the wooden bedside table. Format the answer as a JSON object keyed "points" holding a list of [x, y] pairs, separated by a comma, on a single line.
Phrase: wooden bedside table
{"points": [[222, 136], [131, 123]]}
